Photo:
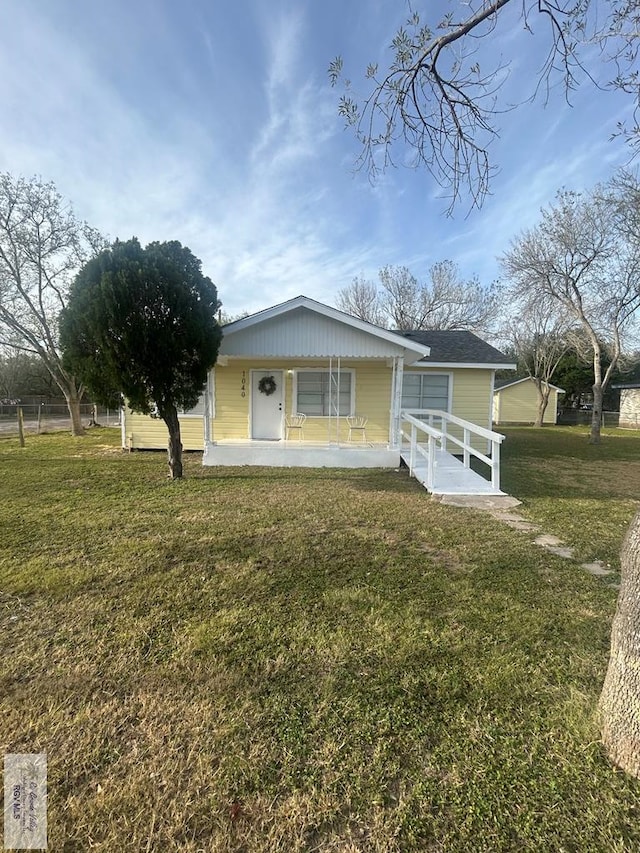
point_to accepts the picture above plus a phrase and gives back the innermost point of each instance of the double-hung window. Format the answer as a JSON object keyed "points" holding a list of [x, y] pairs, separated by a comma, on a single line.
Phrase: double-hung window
{"points": [[197, 411], [425, 391], [324, 393]]}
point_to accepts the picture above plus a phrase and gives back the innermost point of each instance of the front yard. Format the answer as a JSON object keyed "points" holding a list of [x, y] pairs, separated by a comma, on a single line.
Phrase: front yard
{"points": [[295, 660]]}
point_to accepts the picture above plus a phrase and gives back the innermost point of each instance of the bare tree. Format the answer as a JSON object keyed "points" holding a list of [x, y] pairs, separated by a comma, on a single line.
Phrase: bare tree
{"points": [[580, 256], [405, 301], [538, 332], [361, 299], [446, 301], [439, 95], [42, 245]]}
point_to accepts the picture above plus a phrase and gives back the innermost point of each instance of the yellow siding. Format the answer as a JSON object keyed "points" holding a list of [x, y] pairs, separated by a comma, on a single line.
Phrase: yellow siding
{"points": [[142, 432], [372, 399], [231, 408], [472, 401], [519, 404], [471, 395]]}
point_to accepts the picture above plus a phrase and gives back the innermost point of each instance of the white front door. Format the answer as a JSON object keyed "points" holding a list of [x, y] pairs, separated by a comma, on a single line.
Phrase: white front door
{"points": [[267, 408]]}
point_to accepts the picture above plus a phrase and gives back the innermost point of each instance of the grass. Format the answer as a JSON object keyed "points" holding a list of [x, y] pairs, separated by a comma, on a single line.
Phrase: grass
{"points": [[296, 660], [583, 493]]}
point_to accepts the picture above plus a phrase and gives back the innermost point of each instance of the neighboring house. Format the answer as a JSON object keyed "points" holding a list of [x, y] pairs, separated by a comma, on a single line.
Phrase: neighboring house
{"points": [[629, 404], [303, 357], [515, 401]]}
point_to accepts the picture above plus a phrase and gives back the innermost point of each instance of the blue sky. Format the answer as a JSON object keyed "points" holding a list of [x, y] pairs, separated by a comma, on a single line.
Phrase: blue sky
{"points": [[212, 122]]}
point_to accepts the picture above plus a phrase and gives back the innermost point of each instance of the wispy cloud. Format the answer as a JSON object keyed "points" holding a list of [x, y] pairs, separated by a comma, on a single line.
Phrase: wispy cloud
{"points": [[218, 129]]}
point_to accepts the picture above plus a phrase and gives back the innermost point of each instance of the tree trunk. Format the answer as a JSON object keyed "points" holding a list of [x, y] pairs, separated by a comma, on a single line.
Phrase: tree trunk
{"points": [[620, 699], [598, 393], [543, 400], [596, 414], [73, 404], [169, 415]]}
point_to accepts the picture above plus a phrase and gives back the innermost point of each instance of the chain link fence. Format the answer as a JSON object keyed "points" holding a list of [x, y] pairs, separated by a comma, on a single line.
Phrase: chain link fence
{"points": [[582, 417], [46, 416]]}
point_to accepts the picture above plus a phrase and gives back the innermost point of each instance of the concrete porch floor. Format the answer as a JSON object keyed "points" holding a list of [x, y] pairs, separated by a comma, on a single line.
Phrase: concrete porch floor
{"points": [[300, 454]]}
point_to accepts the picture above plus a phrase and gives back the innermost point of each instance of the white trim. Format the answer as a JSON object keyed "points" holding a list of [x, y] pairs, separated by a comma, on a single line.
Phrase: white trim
{"points": [[396, 402], [490, 421], [420, 350], [466, 364], [209, 406], [352, 390], [528, 379]]}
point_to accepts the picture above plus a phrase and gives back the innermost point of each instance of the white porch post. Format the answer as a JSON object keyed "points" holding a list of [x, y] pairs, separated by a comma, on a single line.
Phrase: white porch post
{"points": [[208, 396], [395, 426]]}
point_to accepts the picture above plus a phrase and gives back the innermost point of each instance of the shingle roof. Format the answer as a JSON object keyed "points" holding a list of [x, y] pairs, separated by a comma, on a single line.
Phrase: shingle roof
{"points": [[456, 347], [499, 384]]}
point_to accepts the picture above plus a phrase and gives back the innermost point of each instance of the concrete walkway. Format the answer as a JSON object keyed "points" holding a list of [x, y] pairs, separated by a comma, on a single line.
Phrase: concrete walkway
{"points": [[502, 508]]}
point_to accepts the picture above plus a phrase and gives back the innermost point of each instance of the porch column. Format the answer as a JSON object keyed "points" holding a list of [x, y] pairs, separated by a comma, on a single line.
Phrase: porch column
{"points": [[208, 399], [396, 403]]}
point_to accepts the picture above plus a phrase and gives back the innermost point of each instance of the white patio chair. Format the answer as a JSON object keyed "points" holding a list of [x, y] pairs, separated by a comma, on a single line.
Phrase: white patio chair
{"points": [[295, 422], [357, 423]]}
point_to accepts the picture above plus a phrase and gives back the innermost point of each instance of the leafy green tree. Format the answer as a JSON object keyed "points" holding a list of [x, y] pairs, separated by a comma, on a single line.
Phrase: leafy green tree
{"points": [[143, 321]]}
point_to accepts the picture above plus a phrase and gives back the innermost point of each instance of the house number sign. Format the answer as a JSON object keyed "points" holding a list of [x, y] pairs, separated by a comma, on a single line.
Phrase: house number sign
{"points": [[243, 384]]}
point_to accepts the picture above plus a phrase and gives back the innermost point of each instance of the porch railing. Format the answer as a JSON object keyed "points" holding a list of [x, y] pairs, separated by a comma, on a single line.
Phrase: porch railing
{"points": [[428, 430]]}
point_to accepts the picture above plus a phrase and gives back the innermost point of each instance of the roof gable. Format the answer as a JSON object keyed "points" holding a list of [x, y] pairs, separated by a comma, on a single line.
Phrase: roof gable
{"points": [[305, 328]]}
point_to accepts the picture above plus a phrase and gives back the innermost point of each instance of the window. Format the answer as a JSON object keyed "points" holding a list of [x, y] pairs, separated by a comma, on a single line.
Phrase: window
{"points": [[425, 391], [197, 411], [320, 393]]}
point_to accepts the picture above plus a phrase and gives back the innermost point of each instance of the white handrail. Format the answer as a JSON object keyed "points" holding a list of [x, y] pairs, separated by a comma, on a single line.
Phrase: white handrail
{"points": [[443, 436]]}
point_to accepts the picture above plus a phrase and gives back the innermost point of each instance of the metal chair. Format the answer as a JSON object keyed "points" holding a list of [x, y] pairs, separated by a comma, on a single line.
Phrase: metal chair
{"points": [[357, 423], [295, 422]]}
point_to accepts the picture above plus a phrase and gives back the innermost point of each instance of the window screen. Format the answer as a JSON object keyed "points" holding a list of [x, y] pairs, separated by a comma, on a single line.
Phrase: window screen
{"points": [[321, 393], [425, 391]]}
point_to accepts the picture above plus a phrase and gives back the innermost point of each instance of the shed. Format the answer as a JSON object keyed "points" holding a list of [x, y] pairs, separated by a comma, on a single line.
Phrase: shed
{"points": [[515, 401]]}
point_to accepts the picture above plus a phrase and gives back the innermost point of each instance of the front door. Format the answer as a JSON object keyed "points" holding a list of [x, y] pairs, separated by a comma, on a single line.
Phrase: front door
{"points": [[267, 399]]}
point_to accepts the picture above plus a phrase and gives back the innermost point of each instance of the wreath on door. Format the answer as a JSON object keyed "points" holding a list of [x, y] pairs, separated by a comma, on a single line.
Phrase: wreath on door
{"points": [[267, 385]]}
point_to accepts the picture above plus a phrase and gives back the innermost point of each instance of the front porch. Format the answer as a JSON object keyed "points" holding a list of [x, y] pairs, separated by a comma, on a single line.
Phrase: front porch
{"points": [[436, 446]]}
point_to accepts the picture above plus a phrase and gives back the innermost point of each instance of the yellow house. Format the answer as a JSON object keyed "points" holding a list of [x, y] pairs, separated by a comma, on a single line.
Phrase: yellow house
{"points": [[515, 401], [303, 384]]}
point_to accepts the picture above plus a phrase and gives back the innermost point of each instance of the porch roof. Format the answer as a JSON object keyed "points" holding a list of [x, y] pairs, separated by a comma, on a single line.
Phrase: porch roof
{"points": [[304, 328]]}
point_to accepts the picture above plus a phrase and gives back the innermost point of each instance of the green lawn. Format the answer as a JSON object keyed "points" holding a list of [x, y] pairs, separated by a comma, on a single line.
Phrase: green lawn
{"points": [[309, 660]]}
